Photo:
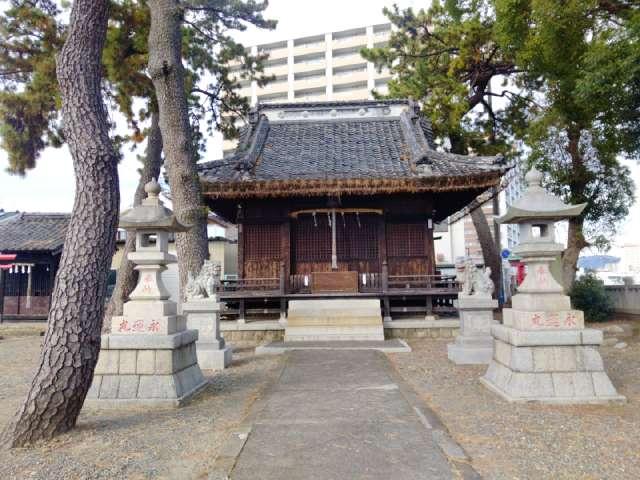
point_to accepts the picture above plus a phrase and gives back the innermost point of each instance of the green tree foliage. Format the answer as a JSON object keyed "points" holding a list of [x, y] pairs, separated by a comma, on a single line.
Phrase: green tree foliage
{"points": [[583, 57], [447, 57], [30, 36], [588, 294], [32, 32]]}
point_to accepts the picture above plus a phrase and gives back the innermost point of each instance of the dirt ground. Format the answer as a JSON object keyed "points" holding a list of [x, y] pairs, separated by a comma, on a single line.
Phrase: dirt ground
{"points": [[504, 441], [532, 441], [135, 444]]}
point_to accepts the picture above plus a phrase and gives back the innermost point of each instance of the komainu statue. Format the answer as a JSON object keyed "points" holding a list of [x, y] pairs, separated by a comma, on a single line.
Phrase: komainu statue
{"points": [[204, 284], [472, 280], [482, 284]]}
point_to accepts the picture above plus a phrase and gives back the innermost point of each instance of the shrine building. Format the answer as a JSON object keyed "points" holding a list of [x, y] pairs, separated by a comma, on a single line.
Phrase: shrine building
{"points": [[338, 200]]}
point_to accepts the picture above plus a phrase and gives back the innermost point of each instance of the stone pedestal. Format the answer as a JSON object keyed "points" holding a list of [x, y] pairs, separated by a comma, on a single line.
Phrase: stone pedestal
{"points": [[149, 359], [203, 316], [474, 344], [334, 319], [543, 353]]}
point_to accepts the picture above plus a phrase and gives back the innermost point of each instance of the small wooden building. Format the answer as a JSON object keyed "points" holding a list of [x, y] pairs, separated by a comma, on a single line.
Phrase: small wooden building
{"points": [[339, 199], [30, 249]]}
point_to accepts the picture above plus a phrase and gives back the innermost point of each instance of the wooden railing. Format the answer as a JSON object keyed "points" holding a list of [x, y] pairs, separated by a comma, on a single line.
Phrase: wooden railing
{"points": [[421, 282], [249, 284]]}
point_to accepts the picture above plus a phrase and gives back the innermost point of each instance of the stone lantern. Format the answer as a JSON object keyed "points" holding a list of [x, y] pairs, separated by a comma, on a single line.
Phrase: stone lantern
{"points": [[542, 352], [149, 358]]}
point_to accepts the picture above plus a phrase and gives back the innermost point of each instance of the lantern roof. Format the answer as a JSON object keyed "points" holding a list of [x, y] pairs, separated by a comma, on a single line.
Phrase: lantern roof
{"points": [[151, 214], [538, 204]]}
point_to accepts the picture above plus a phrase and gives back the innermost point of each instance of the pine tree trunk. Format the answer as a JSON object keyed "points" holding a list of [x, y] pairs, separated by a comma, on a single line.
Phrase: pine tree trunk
{"points": [[488, 245], [72, 340], [127, 277], [167, 74]]}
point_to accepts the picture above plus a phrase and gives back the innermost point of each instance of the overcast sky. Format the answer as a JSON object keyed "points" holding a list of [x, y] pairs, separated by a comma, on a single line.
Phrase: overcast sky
{"points": [[50, 186]]}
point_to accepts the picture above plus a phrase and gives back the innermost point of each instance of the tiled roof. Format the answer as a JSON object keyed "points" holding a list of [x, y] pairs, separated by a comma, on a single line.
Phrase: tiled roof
{"points": [[33, 232], [366, 140]]}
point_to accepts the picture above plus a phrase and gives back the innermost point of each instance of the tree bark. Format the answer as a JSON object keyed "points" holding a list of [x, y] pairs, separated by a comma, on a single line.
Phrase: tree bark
{"points": [[167, 74], [488, 246], [127, 277], [72, 341], [575, 238], [490, 249], [575, 244]]}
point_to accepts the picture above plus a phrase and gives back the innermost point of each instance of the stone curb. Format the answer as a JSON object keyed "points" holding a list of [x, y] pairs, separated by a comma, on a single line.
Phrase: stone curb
{"points": [[277, 348], [452, 450], [235, 441]]}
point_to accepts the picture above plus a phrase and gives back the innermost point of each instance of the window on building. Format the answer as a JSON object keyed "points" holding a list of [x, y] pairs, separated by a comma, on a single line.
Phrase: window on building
{"points": [[275, 62], [382, 30], [270, 47], [406, 239], [347, 35], [314, 41], [349, 87], [349, 70], [273, 98], [262, 242], [346, 52], [312, 75], [309, 59], [310, 94]]}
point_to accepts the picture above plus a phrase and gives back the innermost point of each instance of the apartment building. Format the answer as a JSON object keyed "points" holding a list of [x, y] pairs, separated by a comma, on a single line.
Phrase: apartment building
{"points": [[320, 67]]}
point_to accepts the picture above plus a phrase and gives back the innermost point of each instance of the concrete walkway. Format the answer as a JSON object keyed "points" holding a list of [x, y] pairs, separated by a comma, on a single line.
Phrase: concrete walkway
{"points": [[345, 414]]}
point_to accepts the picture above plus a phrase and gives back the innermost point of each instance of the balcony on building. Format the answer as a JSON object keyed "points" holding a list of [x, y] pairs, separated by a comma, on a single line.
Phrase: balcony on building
{"points": [[309, 61], [354, 37], [346, 56], [350, 74], [273, 98], [310, 79], [276, 66], [350, 91], [274, 50], [310, 94], [315, 43], [279, 84]]}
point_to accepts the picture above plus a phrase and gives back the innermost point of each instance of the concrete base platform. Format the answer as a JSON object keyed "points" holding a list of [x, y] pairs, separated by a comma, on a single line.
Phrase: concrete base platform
{"points": [[119, 403], [387, 346], [146, 370], [593, 400], [214, 358], [549, 366]]}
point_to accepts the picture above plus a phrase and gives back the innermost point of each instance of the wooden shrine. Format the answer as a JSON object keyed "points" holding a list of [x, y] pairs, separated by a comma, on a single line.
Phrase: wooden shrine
{"points": [[339, 199]]}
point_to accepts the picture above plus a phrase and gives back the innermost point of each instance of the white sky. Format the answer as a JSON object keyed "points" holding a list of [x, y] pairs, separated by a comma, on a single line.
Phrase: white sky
{"points": [[50, 187]]}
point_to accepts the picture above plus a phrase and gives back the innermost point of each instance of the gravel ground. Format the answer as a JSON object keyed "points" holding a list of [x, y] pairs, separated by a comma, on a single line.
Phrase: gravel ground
{"points": [[508, 441], [134, 444]]}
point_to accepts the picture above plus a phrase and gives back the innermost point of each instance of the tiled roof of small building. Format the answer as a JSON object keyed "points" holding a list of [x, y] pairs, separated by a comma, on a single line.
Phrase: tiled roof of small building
{"points": [[339, 142], [33, 232]]}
